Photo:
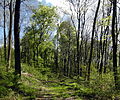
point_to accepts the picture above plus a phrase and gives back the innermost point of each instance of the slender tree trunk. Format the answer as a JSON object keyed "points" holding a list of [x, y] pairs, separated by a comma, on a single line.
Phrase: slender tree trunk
{"points": [[78, 52], [114, 41], [83, 26], [17, 38], [56, 56], [106, 56], [106, 52], [4, 34], [34, 51], [75, 62], [107, 43], [28, 54], [86, 53], [69, 48], [91, 50], [98, 50], [56, 60], [81, 44], [37, 54], [102, 55], [101, 42], [119, 58], [10, 37], [86, 56], [64, 64]]}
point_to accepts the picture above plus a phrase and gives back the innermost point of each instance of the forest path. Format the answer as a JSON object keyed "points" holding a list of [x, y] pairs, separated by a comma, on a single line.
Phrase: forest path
{"points": [[52, 89], [61, 89]]}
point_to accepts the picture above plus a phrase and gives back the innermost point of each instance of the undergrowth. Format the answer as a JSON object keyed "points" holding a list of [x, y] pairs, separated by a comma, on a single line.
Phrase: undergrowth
{"points": [[41, 82]]}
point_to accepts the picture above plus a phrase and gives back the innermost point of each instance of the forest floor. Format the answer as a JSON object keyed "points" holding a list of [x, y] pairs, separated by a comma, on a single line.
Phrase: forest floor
{"points": [[57, 89], [42, 84], [61, 89]]}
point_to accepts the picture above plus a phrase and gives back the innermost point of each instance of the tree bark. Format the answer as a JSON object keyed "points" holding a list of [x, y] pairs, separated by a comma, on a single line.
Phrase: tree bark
{"points": [[17, 38], [114, 41]]}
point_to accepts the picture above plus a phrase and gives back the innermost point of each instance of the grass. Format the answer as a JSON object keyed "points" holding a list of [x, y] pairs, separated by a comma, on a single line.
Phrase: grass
{"points": [[42, 83]]}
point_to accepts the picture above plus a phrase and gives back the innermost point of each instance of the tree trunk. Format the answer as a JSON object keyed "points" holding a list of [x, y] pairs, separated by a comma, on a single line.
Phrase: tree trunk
{"points": [[91, 50], [56, 56], [69, 60], [102, 41], [17, 38], [119, 58], [4, 34], [34, 53], [10, 37], [78, 52], [114, 41]]}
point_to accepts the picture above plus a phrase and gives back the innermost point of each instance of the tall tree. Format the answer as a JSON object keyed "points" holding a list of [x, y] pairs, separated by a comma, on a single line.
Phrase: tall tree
{"points": [[4, 33], [16, 37], [114, 41], [92, 40], [9, 36], [80, 11]]}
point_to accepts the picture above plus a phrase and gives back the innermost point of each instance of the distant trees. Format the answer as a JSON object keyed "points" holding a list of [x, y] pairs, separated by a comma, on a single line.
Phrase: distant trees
{"points": [[79, 7], [65, 47], [36, 46], [101, 35]]}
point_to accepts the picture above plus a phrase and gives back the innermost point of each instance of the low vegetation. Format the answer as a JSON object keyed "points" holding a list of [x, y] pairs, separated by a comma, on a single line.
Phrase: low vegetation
{"points": [[43, 84]]}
